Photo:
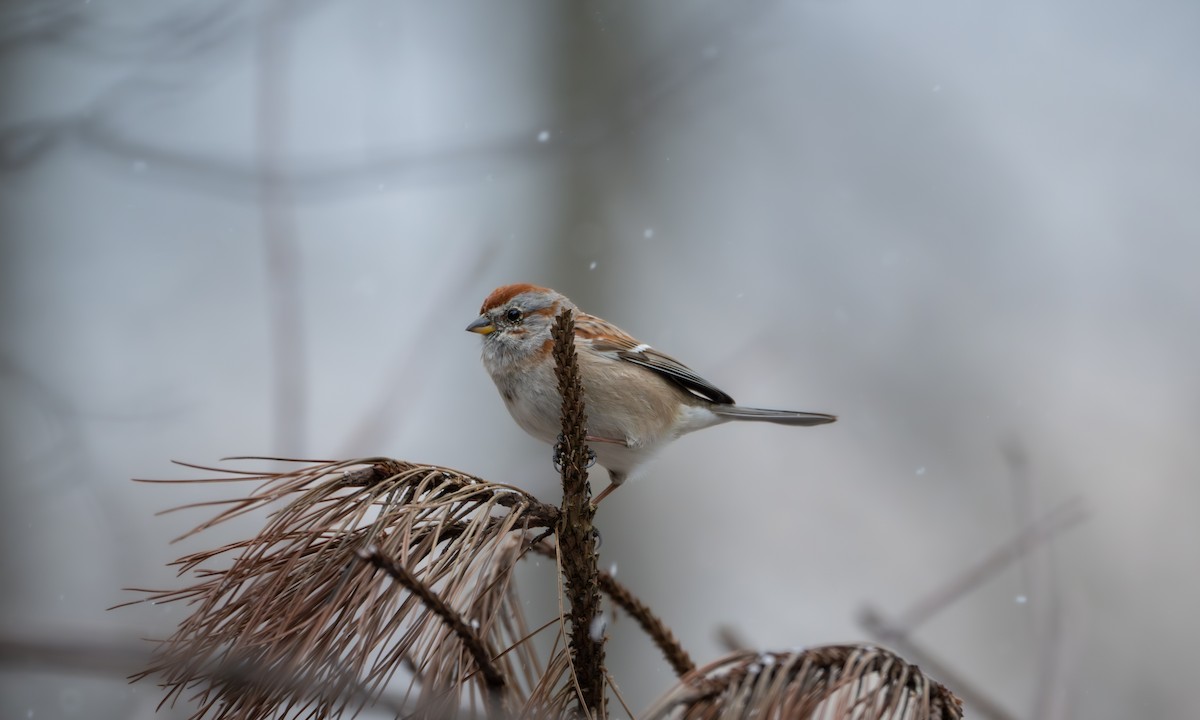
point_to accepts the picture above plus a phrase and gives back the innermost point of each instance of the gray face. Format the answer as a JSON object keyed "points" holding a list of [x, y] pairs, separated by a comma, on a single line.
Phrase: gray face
{"points": [[518, 329]]}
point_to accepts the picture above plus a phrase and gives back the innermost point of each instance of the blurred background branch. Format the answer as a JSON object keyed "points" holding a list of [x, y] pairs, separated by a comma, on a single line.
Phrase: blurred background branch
{"points": [[280, 242]]}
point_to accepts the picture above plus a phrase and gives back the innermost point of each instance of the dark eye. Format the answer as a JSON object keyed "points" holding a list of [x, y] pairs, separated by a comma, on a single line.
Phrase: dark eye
{"points": [[513, 314]]}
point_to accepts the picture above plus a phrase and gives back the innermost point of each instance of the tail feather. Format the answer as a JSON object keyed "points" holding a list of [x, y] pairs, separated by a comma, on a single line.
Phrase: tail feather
{"points": [[783, 417]]}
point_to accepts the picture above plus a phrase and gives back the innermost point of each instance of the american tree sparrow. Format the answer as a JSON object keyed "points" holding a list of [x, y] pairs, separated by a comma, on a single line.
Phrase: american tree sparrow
{"points": [[637, 399]]}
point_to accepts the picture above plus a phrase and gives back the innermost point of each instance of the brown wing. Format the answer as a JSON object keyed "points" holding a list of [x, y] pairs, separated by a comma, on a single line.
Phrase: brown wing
{"points": [[608, 339]]}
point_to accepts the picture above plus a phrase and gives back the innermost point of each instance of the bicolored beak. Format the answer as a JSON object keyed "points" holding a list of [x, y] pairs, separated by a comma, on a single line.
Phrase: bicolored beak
{"points": [[482, 325]]}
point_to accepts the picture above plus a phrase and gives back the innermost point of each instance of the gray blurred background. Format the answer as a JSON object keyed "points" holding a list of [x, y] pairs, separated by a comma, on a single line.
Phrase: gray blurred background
{"points": [[970, 229]]}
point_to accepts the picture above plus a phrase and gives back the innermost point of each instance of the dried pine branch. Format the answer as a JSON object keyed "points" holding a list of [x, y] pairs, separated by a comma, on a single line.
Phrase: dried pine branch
{"points": [[837, 681], [473, 643], [653, 625], [298, 602], [658, 631], [293, 623], [576, 536]]}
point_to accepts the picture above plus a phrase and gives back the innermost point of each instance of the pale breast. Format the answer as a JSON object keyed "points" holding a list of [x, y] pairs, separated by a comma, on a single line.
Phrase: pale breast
{"points": [[533, 401]]}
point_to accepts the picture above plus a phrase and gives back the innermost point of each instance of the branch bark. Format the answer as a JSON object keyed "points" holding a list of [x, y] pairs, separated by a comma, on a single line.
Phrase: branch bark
{"points": [[576, 539]]}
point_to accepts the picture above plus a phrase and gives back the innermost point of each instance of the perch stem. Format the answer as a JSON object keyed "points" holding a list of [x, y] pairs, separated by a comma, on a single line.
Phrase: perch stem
{"points": [[576, 538]]}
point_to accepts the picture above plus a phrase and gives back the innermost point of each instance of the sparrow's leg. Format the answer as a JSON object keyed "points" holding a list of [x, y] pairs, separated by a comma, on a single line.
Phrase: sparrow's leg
{"points": [[592, 438], [605, 492], [615, 480]]}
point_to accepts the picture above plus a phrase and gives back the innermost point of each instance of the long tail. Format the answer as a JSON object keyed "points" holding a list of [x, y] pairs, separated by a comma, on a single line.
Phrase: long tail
{"points": [[783, 417]]}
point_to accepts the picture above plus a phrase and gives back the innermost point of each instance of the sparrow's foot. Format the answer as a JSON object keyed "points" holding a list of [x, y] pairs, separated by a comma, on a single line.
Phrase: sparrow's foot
{"points": [[560, 451]]}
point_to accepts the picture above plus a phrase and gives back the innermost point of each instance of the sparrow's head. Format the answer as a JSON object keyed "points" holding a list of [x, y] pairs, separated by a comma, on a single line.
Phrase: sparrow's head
{"points": [[515, 323]]}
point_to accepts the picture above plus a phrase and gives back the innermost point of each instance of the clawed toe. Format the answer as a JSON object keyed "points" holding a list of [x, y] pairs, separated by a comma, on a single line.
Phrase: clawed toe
{"points": [[560, 451]]}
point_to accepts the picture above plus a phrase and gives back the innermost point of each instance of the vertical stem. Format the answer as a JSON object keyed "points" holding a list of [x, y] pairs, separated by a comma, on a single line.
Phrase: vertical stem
{"points": [[576, 540], [279, 233]]}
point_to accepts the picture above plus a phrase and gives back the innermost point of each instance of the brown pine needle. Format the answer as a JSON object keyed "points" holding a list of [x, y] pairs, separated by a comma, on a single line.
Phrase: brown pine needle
{"points": [[483, 656]]}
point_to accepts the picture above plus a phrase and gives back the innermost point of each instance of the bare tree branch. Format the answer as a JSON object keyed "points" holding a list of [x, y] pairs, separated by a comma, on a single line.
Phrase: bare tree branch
{"points": [[100, 136], [898, 632], [282, 255], [1057, 520]]}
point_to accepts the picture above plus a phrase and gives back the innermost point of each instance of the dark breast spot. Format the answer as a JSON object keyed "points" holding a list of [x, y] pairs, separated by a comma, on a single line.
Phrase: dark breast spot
{"points": [[508, 396]]}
